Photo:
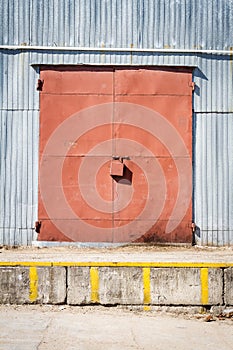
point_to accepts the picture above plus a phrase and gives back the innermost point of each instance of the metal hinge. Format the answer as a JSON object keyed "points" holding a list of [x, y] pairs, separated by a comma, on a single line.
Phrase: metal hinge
{"points": [[40, 84], [37, 226], [192, 85]]}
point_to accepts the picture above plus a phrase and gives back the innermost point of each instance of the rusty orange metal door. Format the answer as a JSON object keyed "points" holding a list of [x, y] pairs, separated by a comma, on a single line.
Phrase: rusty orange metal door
{"points": [[115, 154]]}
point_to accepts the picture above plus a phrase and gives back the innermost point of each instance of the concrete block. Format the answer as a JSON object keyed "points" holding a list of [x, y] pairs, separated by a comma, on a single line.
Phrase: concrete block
{"points": [[215, 286], [182, 286], [79, 290], [51, 285], [115, 285], [175, 286], [120, 285], [14, 285], [228, 288]]}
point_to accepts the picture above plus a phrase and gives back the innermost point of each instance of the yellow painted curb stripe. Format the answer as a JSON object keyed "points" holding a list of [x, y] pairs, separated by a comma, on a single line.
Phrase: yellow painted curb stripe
{"points": [[117, 264], [204, 286], [33, 276], [146, 288], [146, 285], [94, 280], [142, 264], [26, 263], [146, 307]]}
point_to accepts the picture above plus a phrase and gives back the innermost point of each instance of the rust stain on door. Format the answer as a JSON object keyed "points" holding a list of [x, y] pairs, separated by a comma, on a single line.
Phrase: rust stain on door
{"points": [[115, 154]]}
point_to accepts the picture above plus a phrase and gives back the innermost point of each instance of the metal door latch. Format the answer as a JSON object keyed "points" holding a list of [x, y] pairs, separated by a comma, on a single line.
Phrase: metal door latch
{"points": [[117, 165], [117, 168]]}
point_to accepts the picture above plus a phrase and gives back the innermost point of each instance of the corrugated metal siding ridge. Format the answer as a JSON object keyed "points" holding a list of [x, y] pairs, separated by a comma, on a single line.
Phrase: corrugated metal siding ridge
{"points": [[203, 24], [213, 177], [19, 174]]}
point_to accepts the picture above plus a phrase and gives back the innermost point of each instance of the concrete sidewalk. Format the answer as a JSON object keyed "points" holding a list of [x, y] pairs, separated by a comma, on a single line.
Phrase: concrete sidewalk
{"points": [[145, 276], [37, 327], [128, 253]]}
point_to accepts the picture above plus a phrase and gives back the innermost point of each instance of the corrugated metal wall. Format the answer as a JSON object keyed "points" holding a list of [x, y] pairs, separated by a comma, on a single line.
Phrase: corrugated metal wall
{"points": [[118, 23], [180, 24]]}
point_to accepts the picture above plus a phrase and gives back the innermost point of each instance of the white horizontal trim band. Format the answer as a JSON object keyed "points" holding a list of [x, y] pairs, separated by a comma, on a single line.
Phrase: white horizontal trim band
{"points": [[113, 49]]}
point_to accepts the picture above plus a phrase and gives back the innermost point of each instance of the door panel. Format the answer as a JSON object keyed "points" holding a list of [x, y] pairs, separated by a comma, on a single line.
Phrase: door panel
{"points": [[154, 81], [115, 152]]}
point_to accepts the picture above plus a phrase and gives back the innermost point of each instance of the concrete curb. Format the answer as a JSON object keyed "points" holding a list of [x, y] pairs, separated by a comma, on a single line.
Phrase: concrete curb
{"points": [[117, 283]]}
